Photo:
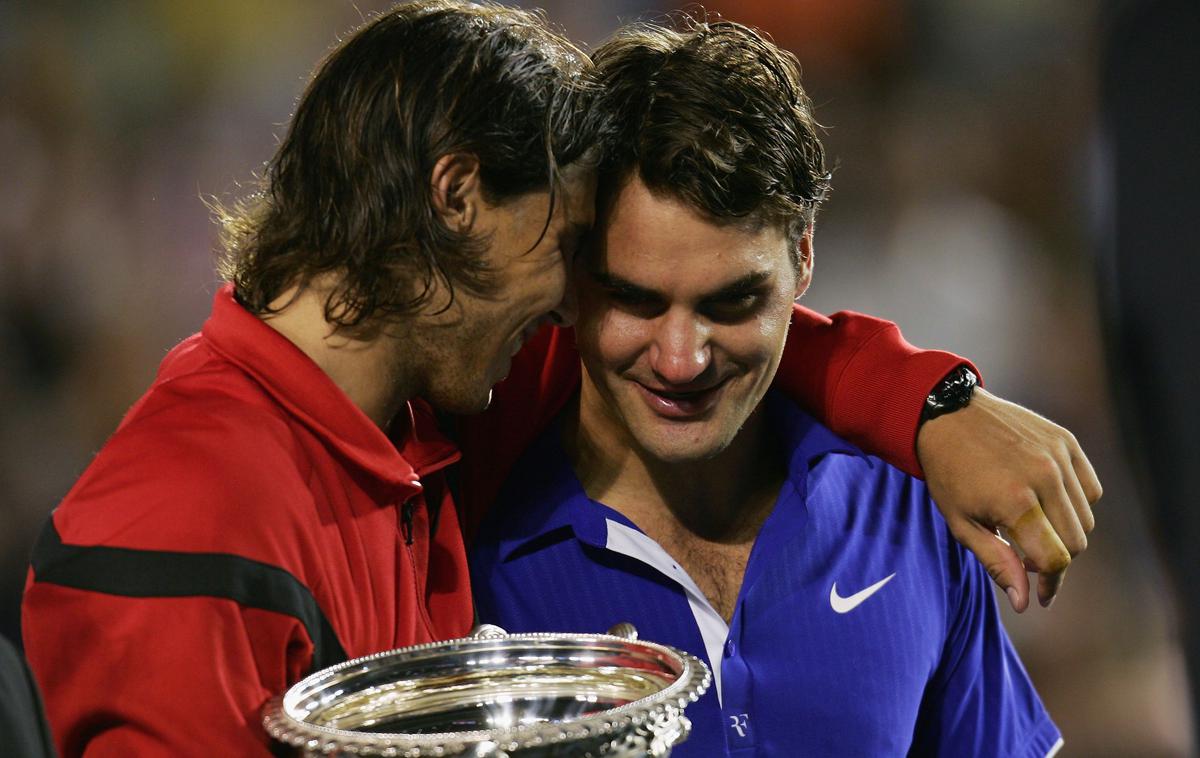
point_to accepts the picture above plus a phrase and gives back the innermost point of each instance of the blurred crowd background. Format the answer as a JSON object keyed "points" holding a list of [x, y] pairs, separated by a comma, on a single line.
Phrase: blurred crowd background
{"points": [[964, 135]]}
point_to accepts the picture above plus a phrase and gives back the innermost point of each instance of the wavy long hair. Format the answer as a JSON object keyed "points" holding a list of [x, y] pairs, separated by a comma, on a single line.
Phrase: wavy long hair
{"points": [[348, 191]]}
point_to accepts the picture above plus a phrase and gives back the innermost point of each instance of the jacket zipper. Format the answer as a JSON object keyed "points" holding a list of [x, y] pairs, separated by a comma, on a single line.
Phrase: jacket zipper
{"points": [[407, 512]]}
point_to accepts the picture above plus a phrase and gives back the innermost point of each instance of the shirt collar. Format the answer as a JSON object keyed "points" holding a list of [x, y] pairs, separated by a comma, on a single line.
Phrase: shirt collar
{"points": [[808, 439], [293, 380], [544, 495]]}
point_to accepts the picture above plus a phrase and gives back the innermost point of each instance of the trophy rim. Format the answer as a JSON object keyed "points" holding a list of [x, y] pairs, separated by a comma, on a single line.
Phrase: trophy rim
{"points": [[693, 680]]}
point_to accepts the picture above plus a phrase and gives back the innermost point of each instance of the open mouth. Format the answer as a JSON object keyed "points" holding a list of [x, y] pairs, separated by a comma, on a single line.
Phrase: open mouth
{"points": [[681, 405]]}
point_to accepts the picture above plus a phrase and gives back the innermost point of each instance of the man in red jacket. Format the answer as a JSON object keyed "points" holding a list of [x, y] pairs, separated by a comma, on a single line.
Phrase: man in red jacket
{"points": [[277, 500]]}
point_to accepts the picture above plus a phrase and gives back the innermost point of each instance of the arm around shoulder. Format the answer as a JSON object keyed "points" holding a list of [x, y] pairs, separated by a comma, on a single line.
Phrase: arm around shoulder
{"points": [[860, 377], [990, 465]]}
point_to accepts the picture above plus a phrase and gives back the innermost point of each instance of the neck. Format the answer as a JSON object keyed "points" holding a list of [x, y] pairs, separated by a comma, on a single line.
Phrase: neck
{"points": [[723, 499], [368, 370]]}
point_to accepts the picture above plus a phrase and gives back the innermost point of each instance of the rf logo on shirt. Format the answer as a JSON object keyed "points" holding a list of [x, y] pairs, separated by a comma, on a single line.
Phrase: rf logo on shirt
{"points": [[740, 723]]}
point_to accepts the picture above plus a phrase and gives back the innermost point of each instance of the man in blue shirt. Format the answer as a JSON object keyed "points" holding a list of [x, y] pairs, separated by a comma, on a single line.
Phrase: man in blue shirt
{"points": [[837, 612]]}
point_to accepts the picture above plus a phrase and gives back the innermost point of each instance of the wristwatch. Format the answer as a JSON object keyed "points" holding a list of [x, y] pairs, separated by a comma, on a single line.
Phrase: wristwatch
{"points": [[951, 394]]}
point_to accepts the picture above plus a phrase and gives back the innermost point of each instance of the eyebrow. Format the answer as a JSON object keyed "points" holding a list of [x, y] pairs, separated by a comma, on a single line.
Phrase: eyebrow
{"points": [[740, 286], [731, 291]]}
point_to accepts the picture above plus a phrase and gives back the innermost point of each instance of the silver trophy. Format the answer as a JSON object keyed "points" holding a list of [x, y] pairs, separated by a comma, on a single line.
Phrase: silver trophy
{"points": [[497, 695]]}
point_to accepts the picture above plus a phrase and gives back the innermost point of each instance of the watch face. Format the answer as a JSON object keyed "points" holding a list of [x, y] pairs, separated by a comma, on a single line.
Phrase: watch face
{"points": [[952, 393]]}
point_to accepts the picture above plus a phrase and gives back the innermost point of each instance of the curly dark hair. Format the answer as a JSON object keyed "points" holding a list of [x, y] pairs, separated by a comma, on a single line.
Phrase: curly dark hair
{"points": [[713, 113], [348, 190]]}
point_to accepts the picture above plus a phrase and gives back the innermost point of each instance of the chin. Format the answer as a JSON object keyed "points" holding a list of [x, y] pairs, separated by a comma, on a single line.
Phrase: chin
{"points": [[463, 403], [678, 451]]}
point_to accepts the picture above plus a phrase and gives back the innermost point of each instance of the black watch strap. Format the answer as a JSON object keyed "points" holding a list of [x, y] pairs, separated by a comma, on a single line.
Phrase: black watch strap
{"points": [[950, 394]]}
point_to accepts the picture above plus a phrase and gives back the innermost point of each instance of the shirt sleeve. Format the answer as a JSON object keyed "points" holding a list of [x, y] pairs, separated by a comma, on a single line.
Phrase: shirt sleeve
{"points": [[980, 701], [153, 676], [860, 377], [167, 602], [854, 372]]}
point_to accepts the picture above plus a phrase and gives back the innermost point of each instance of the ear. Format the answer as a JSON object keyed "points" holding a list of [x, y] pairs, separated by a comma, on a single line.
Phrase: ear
{"points": [[457, 190], [804, 271]]}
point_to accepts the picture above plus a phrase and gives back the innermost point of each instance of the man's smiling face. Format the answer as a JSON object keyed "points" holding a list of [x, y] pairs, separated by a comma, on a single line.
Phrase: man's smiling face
{"points": [[681, 324]]}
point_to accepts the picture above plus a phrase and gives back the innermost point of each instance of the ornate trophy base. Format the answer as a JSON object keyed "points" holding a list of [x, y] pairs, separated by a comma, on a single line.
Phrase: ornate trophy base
{"points": [[497, 695]]}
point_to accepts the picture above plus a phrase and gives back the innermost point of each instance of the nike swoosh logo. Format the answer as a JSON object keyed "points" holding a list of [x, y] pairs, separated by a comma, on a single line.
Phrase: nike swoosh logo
{"points": [[846, 604]]}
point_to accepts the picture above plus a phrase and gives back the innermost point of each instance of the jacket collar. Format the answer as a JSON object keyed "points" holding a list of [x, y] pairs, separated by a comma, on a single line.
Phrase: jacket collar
{"points": [[808, 439], [415, 447]]}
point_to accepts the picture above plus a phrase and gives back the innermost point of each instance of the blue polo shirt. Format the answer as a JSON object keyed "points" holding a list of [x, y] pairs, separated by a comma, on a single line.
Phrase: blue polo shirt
{"points": [[862, 627]]}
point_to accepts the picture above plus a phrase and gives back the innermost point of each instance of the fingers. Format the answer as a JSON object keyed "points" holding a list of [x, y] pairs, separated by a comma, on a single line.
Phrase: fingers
{"points": [[998, 557], [1049, 585], [1044, 551], [1061, 511], [1089, 482], [1057, 517], [1079, 478], [995, 464], [1073, 472], [1079, 500]]}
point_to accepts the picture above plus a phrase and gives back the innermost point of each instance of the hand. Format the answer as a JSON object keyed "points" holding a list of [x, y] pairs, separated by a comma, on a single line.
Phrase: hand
{"points": [[995, 465]]}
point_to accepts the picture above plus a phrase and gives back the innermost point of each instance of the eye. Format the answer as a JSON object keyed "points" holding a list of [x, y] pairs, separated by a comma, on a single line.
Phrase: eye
{"points": [[639, 304], [733, 308]]}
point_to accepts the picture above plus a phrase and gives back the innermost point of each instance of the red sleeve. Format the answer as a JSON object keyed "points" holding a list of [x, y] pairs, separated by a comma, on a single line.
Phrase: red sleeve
{"points": [[859, 376], [161, 676], [855, 373], [133, 616]]}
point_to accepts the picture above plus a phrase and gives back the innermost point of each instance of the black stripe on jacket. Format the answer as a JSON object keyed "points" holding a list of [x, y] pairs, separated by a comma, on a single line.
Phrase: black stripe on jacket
{"points": [[162, 573]]}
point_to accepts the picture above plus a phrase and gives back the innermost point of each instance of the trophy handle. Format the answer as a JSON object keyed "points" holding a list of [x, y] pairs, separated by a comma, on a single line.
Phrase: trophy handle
{"points": [[624, 629], [487, 632]]}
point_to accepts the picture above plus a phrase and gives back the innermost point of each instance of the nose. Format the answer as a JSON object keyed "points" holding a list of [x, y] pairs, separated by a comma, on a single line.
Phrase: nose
{"points": [[680, 352]]}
